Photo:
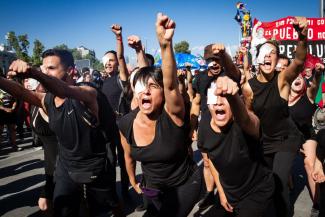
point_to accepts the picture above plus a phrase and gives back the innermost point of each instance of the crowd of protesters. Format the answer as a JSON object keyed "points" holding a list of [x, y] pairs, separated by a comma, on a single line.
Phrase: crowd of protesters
{"points": [[250, 123]]}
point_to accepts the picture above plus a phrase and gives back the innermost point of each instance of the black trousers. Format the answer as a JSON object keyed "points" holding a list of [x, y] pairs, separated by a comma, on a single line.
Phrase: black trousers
{"points": [[179, 201], [281, 164], [100, 195]]}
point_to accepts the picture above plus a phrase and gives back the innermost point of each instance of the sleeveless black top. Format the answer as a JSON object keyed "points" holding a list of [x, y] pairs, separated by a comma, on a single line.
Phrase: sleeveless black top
{"points": [[81, 147], [302, 113], [165, 162], [279, 133], [38, 124], [237, 157]]}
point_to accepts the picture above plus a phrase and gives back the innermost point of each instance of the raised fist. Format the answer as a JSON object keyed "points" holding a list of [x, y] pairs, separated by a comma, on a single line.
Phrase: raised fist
{"points": [[301, 26], [134, 42], [226, 87], [319, 67], [116, 29], [165, 28], [218, 49], [19, 68]]}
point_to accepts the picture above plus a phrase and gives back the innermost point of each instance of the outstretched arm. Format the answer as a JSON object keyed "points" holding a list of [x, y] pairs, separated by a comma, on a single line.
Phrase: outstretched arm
{"points": [[312, 90], [19, 92], [174, 102], [117, 30], [230, 68], [135, 43], [56, 86], [247, 120], [286, 77]]}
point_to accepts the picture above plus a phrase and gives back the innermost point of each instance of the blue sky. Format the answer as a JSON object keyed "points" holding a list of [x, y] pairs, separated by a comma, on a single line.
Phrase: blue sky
{"points": [[86, 23]]}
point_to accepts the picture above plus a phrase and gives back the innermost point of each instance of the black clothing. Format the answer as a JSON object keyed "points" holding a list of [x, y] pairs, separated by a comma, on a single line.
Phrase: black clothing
{"points": [[201, 83], [302, 113], [237, 158], [113, 89], [83, 149], [281, 164], [6, 117], [203, 127], [279, 133], [165, 162]]}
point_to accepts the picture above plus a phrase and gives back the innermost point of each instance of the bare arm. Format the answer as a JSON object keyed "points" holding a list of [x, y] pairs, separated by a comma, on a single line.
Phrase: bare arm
{"points": [[189, 79], [222, 195], [130, 164], [117, 30], [195, 112], [312, 90], [19, 92], [230, 68], [286, 77], [56, 86], [135, 43], [246, 64], [173, 99]]}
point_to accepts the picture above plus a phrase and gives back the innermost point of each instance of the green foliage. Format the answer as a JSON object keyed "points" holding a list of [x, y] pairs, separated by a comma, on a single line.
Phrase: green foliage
{"points": [[20, 44], [182, 47], [37, 53], [61, 47]]}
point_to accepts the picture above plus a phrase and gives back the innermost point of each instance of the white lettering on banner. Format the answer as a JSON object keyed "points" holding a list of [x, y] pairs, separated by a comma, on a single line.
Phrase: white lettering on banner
{"points": [[320, 22], [319, 50]]}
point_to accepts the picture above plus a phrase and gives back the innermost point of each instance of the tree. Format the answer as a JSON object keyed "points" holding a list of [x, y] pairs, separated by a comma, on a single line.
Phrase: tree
{"points": [[24, 45], [37, 53], [182, 47], [62, 47], [13, 43], [76, 54]]}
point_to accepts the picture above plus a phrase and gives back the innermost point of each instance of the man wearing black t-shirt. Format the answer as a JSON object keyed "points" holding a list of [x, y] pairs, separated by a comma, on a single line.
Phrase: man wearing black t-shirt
{"points": [[76, 117], [115, 88]]}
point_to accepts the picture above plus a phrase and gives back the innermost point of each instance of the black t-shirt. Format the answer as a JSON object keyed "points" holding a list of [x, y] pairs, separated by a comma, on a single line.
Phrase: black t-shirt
{"points": [[81, 147], [237, 157], [165, 162], [200, 84], [279, 132], [113, 91]]}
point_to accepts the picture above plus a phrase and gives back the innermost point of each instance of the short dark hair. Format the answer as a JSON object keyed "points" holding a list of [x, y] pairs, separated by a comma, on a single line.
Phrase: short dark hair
{"points": [[112, 52], [149, 72], [282, 56], [151, 59], [65, 56]]}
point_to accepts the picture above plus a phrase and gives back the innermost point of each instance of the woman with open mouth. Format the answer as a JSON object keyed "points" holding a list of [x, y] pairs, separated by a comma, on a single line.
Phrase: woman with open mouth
{"points": [[267, 96], [302, 108], [244, 184], [154, 134]]}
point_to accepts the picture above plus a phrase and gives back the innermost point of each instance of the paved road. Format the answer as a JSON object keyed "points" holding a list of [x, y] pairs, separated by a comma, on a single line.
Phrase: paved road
{"points": [[21, 178]]}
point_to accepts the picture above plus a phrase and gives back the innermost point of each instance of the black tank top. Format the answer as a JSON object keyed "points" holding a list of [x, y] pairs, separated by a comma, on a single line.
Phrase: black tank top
{"points": [[202, 83], [165, 162], [81, 147], [38, 124], [237, 157], [302, 113], [279, 133]]}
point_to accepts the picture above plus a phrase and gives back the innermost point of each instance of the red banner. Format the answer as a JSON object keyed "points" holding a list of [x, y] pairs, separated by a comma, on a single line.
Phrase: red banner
{"points": [[283, 31]]}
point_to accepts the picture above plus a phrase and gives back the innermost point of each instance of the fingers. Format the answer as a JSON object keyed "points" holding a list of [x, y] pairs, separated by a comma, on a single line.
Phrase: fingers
{"points": [[134, 41], [218, 49], [226, 86]]}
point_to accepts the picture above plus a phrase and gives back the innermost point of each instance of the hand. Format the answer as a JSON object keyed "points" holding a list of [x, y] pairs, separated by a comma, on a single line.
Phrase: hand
{"points": [[318, 173], [135, 42], [224, 203], [19, 68], [226, 87], [165, 28], [301, 26], [137, 188], [116, 29], [43, 204], [319, 68], [218, 49], [193, 135]]}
